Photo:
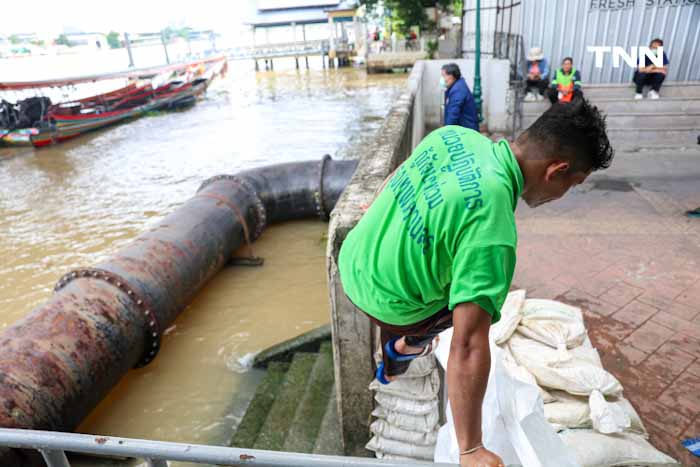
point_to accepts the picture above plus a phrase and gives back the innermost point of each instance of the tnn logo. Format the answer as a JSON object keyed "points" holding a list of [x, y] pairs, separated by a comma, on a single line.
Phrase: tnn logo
{"points": [[633, 59]]}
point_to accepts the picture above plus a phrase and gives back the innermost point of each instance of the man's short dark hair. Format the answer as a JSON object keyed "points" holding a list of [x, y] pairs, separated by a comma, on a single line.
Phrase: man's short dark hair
{"points": [[657, 41], [569, 59], [575, 131], [453, 70]]}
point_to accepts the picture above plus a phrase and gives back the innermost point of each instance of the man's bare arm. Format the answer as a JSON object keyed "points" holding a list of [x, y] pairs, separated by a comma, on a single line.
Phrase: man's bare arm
{"points": [[467, 376]]}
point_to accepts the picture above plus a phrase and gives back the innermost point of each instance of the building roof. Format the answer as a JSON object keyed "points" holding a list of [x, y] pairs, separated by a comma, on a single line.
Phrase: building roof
{"points": [[264, 5], [271, 13]]}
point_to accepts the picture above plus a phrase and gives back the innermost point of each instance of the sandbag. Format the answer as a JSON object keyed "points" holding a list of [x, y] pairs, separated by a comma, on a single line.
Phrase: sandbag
{"points": [[593, 449], [382, 446], [422, 423], [384, 429], [607, 418], [511, 314], [576, 376], [569, 411], [555, 324], [424, 388], [406, 406], [520, 373]]}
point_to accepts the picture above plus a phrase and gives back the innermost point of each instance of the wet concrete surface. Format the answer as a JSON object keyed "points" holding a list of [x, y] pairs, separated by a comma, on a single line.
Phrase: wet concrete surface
{"points": [[621, 248]]}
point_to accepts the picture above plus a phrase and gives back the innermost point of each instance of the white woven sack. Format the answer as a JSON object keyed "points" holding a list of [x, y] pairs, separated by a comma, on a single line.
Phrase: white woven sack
{"points": [[423, 423], [382, 446], [385, 429], [553, 323], [406, 406], [593, 449], [511, 314], [423, 388]]}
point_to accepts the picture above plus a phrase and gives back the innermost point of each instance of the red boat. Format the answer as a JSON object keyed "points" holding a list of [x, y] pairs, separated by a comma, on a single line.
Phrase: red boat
{"points": [[68, 120]]}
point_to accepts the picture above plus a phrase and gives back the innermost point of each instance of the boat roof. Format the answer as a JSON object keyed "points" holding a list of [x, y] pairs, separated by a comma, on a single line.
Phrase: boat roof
{"points": [[130, 73]]}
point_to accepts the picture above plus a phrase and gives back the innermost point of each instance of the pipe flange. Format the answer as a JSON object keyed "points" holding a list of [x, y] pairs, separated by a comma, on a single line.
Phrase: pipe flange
{"points": [[260, 213], [318, 194], [153, 334]]}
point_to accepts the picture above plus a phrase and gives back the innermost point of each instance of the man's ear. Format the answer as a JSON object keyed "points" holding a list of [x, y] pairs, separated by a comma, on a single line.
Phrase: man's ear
{"points": [[556, 168]]}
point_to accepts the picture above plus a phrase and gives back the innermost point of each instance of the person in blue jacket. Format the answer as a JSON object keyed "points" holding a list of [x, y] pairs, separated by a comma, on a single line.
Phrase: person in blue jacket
{"points": [[460, 108]]}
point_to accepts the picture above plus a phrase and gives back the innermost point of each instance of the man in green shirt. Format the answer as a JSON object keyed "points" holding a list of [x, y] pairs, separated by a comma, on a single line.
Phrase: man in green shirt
{"points": [[437, 247]]}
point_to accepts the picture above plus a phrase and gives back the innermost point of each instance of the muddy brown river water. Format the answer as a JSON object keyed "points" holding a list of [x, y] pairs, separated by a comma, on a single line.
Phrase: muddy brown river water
{"points": [[72, 204]]}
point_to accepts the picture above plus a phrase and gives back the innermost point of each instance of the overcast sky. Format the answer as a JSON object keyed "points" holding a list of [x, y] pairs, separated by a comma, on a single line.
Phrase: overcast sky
{"points": [[123, 15]]}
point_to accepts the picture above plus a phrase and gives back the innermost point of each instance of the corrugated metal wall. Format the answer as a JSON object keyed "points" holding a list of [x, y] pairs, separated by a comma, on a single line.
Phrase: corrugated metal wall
{"points": [[567, 27]]}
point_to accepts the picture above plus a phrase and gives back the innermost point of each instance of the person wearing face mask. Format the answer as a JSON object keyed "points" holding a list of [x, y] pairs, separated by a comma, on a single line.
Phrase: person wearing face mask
{"points": [[437, 247], [566, 84], [460, 108], [651, 75]]}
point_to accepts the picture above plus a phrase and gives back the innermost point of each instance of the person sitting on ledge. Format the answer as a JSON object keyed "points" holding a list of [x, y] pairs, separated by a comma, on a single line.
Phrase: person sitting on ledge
{"points": [[566, 84], [437, 247], [651, 75], [537, 75]]}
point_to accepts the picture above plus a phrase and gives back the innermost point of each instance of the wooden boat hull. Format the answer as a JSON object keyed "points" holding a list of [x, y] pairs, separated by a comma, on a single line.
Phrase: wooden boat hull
{"points": [[167, 97], [17, 138]]}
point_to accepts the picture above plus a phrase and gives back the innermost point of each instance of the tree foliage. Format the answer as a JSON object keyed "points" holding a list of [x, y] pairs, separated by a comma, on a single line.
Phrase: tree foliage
{"points": [[63, 40], [113, 40], [408, 13]]}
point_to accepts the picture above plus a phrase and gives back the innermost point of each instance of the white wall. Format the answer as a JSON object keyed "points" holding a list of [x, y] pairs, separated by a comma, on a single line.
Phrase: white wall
{"points": [[494, 88]]}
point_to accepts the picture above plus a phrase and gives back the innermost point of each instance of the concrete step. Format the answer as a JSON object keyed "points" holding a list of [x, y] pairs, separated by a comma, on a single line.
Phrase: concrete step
{"points": [[265, 395], [312, 407], [330, 441], [279, 420], [308, 342], [670, 89], [641, 120], [679, 105], [653, 137]]}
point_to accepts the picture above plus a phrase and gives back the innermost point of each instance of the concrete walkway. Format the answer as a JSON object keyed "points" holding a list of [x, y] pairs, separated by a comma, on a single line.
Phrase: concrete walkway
{"points": [[620, 247]]}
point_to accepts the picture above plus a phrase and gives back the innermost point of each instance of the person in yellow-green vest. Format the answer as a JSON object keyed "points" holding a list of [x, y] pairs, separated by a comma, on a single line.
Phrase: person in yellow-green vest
{"points": [[566, 85]]}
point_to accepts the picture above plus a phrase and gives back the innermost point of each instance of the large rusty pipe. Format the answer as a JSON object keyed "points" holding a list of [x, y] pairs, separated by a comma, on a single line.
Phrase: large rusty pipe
{"points": [[58, 362]]}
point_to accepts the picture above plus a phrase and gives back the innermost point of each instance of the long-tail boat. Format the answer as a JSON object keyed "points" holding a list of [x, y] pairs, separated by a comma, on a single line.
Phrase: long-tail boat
{"points": [[67, 120]]}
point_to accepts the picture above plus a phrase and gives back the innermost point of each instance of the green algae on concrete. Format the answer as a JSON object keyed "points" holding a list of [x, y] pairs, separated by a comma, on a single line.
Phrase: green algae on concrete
{"points": [[279, 420], [308, 342], [330, 440], [265, 395], [312, 408]]}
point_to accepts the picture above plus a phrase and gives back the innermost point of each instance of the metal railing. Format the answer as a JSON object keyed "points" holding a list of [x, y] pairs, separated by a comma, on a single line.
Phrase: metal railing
{"points": [[53, 447]]}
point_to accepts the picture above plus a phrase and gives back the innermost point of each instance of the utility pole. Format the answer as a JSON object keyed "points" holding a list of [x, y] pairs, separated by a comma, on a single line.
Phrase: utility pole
{"points": [[165, 47], [128, 49], [477, 64]]}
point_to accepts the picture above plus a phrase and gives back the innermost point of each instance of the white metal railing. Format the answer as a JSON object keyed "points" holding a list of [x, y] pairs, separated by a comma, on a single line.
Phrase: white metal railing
{"points": [[53, 447]]}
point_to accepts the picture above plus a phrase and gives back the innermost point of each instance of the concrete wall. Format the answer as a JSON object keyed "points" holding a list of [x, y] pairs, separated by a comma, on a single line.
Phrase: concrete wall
{"points": [[494, 85], [352, 332]]}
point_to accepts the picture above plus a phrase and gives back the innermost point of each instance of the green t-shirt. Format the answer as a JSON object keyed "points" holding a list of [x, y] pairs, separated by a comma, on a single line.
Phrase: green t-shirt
{"points": [[441, 232]]}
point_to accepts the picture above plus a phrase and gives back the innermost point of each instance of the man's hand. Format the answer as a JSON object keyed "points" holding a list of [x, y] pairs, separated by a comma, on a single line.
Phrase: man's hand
{"points": [[481, 458]]}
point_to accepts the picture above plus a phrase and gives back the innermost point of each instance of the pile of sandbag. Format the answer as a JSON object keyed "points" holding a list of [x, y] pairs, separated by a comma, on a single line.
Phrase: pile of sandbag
{"points": [[549, 401], [545, 343], [406, 414]]}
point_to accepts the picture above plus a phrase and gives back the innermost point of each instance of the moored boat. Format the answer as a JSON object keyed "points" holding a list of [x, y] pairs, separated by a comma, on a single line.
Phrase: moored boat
{"points": [[67, 120]]}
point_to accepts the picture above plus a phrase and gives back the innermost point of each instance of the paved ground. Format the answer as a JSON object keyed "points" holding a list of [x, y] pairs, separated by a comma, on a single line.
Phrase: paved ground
{"points": [[620, 248]]}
